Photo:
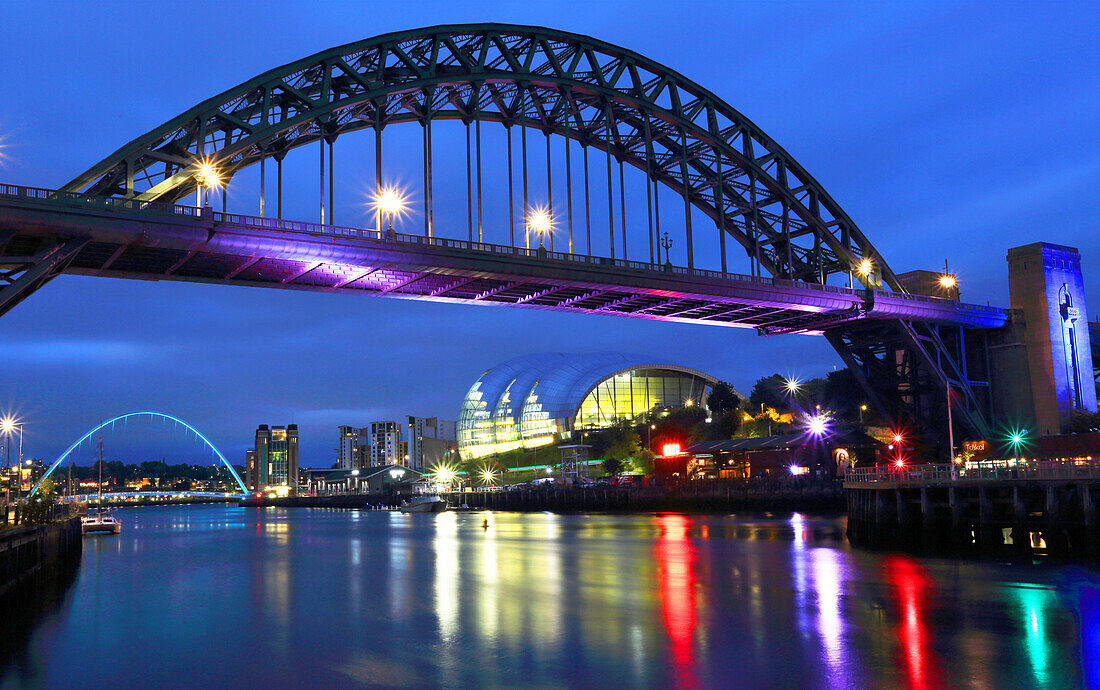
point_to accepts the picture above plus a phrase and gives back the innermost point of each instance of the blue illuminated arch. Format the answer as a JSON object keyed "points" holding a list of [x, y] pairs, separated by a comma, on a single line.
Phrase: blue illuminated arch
{"points": [[82, 439]]}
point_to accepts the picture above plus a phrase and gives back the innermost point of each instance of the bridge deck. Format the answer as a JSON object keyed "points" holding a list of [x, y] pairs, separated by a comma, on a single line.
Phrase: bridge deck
{"points": [[133, 239]]}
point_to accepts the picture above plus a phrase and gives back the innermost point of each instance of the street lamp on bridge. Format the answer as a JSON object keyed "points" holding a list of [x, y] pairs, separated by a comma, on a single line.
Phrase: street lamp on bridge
{"points": [[206, 176], [541, 221], [390, 201]]}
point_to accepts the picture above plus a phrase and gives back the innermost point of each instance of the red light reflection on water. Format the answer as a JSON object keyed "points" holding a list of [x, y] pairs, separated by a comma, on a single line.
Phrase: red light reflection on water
{"points": [[676, 587], [911, 590]]}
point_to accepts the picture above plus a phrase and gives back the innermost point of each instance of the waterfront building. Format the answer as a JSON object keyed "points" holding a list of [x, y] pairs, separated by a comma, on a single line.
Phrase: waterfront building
{"points": [[771, 457], [427, 439], [251, 471], [381, 480], [349, 453], [542, 399], [384, 444], [276, 457]]}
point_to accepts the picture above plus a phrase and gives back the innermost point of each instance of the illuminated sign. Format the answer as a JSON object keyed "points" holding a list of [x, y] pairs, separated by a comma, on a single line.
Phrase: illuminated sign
{"points": [[670, 449], [975, 446]]}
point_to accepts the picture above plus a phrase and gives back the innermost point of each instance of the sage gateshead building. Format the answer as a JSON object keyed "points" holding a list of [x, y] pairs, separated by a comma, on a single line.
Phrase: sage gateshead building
{"points": [[542, 399]]}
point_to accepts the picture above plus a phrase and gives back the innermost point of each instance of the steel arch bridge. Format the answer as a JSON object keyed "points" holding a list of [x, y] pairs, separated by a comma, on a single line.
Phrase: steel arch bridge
{"points": [[122, 417], [119, 217]]}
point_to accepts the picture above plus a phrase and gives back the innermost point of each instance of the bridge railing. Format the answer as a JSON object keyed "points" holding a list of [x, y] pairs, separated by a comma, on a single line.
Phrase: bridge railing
{"points": [[77, 199], [925, 474], [73, 198], [503, 249]]}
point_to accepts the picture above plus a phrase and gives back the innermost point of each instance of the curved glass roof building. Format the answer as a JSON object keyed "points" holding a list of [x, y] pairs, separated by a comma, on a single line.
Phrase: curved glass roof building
{"points": [[541, 399]]}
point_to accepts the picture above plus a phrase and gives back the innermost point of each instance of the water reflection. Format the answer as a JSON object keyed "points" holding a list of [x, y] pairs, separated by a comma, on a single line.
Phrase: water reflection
{"points": [[218, 595], [676, 584], [911, 587]]}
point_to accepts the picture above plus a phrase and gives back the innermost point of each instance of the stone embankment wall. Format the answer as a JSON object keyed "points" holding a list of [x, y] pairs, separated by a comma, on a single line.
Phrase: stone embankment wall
{"points": [[695, 496], [26, 551]]}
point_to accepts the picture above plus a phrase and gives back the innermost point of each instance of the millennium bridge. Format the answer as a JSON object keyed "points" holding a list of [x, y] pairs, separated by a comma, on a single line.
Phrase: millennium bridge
{"points": [[607, 116]]}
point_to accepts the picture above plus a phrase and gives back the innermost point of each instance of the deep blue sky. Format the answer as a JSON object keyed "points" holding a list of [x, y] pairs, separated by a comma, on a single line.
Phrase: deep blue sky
{"points": [[945, 130]]}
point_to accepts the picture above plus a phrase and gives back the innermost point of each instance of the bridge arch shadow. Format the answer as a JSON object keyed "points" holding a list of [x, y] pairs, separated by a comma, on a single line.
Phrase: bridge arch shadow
{"points": [[151, 413]]}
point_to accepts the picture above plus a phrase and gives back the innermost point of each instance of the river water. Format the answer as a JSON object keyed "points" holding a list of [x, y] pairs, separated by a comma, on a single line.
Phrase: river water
{"points": [[218, 595]]}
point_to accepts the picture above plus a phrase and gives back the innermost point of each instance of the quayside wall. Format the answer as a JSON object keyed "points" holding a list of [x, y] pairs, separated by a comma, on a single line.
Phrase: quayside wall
{"points": [[25, 552], [708, 496], [937, 509]]}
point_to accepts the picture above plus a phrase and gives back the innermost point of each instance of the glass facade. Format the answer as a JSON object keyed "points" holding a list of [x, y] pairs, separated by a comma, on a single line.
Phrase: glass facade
{"points": [[631, 393], [541, 400]]}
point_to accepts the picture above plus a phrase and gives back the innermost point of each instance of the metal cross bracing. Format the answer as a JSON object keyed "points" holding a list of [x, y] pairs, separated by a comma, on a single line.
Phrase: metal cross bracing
{"points": [[612, 99], [588, 93]]}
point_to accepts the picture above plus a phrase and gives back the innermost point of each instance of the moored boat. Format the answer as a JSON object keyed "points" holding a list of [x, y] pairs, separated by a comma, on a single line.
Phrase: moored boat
{"points": [[426, 503], [101, 521]]}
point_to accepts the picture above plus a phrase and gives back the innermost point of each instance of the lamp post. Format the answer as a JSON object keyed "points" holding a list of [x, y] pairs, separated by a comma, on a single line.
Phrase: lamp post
{"points": [[665, 242], [541, 221], [390, 202], [206, 176], [8, 425], [862, 409]]}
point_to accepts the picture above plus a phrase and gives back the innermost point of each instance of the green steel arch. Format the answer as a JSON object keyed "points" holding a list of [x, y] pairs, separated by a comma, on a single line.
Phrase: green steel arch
{"points": [[613, 99], [85, 437]]}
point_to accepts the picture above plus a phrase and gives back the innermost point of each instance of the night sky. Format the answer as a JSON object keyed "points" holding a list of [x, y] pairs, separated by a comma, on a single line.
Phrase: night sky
{"points": [[945, 130]]}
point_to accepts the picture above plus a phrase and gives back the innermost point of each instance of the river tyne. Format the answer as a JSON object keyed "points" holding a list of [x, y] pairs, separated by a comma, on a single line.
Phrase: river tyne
{"points": [[218, 595]]}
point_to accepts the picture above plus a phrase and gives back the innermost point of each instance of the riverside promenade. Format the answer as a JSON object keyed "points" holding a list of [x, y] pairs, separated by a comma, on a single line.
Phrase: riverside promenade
{"points": [[1038, 508]]}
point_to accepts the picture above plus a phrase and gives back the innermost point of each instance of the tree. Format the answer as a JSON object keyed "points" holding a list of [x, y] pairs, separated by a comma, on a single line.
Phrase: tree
{"points": [[643, 461], [722, 426], [39, 509], [613, 467], [722, 399], [1081, 422], [769, 391]]}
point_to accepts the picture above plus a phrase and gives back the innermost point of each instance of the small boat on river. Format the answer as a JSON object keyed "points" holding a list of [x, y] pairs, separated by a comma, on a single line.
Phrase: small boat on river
{"points": [[425, 503], [101, 520]]}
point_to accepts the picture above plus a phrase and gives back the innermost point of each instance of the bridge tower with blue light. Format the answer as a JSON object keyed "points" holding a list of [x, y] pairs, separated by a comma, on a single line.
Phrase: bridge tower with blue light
{"points": [[1047, 291]]}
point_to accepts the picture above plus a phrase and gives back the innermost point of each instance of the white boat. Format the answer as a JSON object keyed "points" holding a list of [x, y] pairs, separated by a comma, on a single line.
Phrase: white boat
{"points": [[102, 521], [425, 503]]}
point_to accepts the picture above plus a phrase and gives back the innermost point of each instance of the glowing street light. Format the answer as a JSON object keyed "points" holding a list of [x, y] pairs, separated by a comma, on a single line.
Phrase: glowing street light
{"points": [[792, 385], [816, 425], [206, 176], [8, 425], [488, 476], [948, 281], [390, 201], [1018, 439], [865, 267], [540, 220]]}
